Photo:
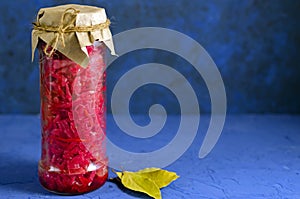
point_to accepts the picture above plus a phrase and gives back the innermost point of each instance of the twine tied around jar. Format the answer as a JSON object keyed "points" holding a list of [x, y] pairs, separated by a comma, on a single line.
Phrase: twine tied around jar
{"points": [[68, 28]]}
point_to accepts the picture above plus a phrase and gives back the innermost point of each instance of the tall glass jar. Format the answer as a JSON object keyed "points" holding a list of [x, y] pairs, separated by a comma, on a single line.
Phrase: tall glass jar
{"points": [[72, 41], [73, 121]]}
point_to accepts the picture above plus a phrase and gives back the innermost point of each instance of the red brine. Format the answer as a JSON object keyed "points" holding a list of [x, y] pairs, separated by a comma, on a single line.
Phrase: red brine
{"points": [[73, 159]]}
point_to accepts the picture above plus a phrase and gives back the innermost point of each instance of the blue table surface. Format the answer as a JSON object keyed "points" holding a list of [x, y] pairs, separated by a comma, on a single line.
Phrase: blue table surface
{"points": [[257, 156]]}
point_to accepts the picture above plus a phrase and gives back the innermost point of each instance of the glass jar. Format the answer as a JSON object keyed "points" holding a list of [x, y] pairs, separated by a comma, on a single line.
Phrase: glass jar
{"points": [[73, 119]]}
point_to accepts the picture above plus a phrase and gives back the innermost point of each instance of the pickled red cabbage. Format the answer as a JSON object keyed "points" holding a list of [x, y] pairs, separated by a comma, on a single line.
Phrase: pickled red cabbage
{"points": [[73, 122]]}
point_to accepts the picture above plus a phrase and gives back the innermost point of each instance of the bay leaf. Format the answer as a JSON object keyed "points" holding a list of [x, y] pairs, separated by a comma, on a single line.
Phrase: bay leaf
{"points": [[162, 178], [148, 180], [138, 182]]}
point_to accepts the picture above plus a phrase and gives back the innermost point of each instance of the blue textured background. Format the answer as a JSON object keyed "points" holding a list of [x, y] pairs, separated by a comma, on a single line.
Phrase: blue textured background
{"points": [[255, 45]]}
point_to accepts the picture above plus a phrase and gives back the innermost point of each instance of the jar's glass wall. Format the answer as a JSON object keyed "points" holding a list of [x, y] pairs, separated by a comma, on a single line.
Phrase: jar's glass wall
{"points": [[73, 119]]}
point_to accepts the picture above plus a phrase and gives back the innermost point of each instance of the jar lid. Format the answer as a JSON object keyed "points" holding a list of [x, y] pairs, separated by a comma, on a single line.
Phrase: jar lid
{"points": [[70, 28]]}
